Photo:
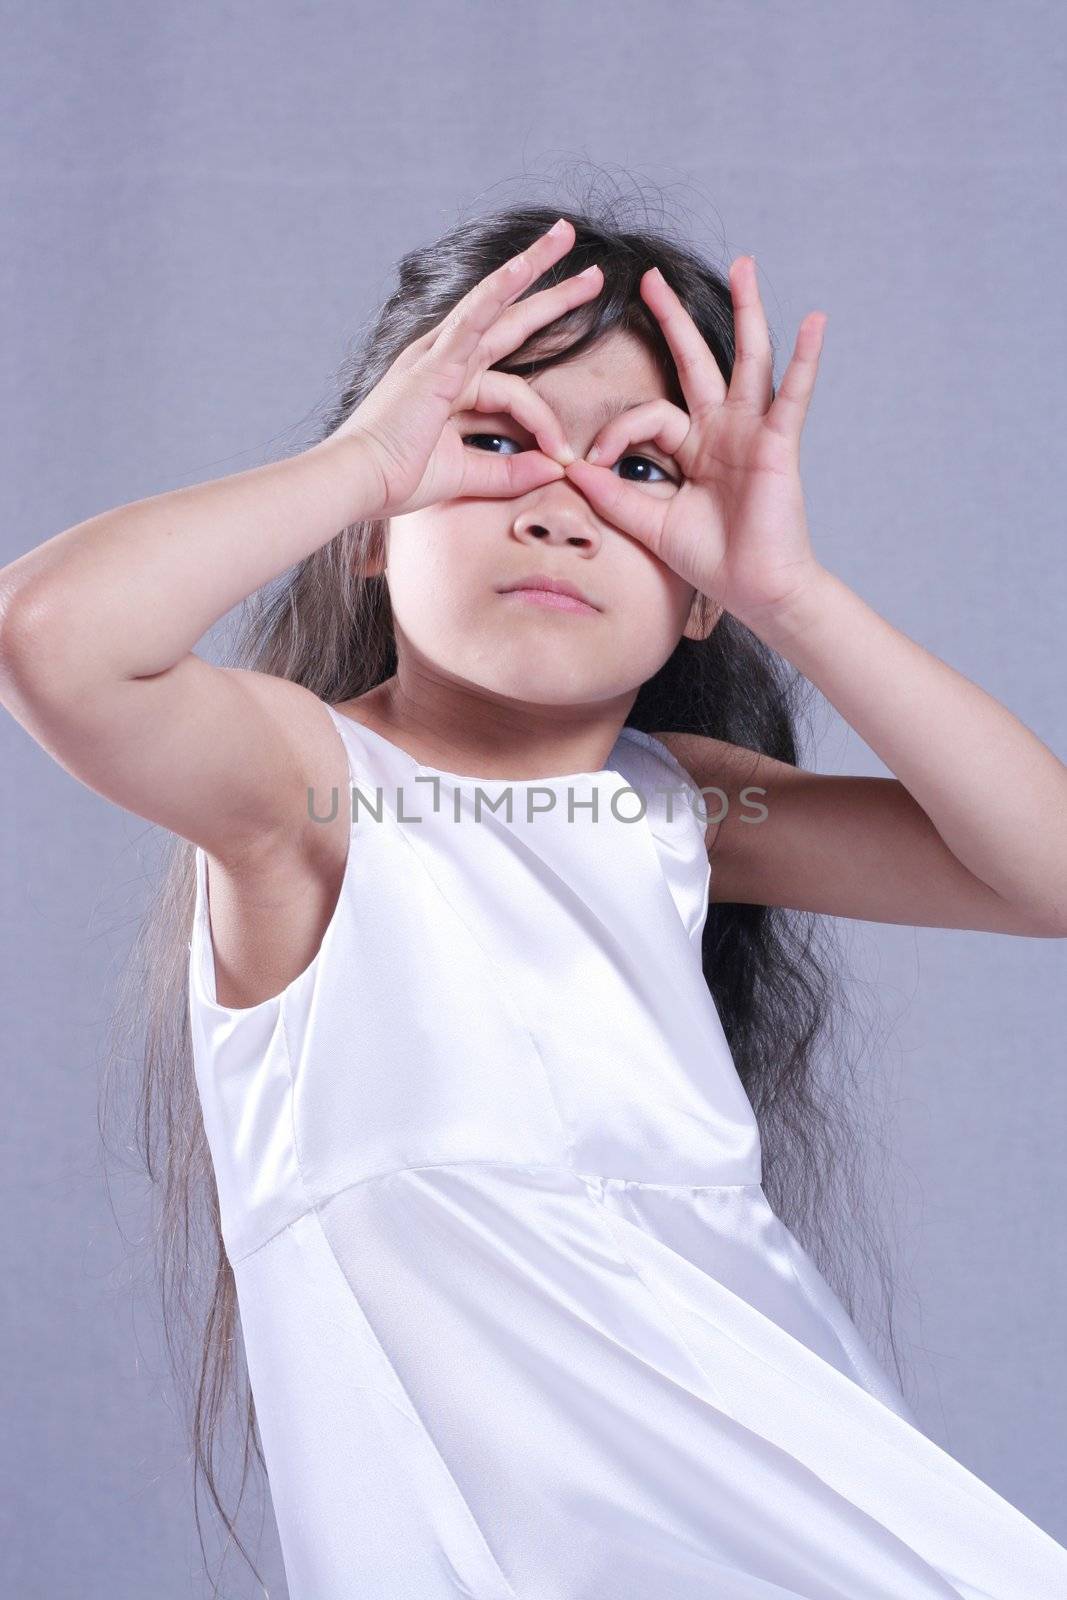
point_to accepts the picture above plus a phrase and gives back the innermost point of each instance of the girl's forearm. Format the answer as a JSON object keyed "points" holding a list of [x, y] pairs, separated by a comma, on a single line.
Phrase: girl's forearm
{"points": [[995, 793], [129, 592]]}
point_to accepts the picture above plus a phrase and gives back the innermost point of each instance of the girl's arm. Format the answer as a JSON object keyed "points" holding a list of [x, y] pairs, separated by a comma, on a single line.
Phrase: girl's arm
{"points": [[97, 628], [972, 833]]}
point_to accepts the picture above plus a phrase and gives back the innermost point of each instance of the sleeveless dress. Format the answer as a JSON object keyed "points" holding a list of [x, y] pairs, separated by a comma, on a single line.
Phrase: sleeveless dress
{"points": [[519, 1321]]}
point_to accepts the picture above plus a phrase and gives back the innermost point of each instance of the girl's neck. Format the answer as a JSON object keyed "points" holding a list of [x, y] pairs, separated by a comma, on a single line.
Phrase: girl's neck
{"points": [[451, 728]]}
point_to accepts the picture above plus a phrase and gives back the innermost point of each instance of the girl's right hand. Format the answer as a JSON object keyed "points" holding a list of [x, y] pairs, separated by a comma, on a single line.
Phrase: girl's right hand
{"points": [[401, 425]]}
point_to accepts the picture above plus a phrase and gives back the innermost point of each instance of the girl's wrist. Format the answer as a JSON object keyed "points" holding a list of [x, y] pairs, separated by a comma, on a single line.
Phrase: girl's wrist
{"points": [[786, 620], [347, 456]]}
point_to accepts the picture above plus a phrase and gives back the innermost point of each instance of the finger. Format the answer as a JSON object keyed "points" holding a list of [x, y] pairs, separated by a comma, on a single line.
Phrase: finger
{"points": [[411, 353], [657, 422], [790, 405], [470, 319], [505, 393], [624, 505], [513, 327], [494, 477], [752, 379], [702, 384]]}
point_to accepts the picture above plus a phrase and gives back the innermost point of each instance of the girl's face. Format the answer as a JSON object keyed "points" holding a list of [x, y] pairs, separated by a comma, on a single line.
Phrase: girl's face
{"points": [[448, 564]]}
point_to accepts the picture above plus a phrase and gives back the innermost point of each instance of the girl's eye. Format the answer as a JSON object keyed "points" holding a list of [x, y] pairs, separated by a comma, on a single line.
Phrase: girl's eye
{"points": [[664, 477], [467, 437]]}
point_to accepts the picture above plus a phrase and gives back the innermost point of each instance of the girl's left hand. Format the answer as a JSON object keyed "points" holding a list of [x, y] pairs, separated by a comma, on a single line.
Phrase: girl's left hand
{"points": [[736, 527]]}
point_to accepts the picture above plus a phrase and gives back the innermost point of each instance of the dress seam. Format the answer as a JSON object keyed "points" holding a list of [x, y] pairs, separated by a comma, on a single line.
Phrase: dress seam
{"points": [[487, 1161]]}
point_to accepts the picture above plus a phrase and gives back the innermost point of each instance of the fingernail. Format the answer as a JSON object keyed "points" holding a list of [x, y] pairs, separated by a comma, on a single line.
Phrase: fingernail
{"points": [[559, 227], [566, 454], [588, 272], [592, 454]]}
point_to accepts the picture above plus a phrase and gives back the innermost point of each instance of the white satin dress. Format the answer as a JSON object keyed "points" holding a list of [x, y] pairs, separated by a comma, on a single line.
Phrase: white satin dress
{"points": [[518, 1319]]}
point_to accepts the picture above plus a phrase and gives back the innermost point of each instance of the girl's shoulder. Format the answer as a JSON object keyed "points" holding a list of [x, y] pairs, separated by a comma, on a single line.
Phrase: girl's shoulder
{"points": [[254, 952]]}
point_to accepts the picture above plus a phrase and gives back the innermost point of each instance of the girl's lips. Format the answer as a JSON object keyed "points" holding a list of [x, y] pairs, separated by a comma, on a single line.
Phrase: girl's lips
{"points": [[548, 597]]}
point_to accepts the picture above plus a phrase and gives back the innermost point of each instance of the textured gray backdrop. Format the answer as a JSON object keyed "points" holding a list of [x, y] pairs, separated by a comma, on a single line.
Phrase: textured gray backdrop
{"points": [[201, 207]]}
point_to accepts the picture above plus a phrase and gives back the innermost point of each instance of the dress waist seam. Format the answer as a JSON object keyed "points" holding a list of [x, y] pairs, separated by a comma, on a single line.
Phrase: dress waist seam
{"points": [[510, 1165]]}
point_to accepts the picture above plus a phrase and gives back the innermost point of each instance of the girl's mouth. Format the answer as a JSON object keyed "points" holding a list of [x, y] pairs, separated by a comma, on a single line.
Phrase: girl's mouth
{"points": [[550, 598]]}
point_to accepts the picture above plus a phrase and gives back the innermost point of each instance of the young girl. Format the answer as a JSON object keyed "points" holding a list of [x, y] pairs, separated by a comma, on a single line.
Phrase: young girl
{"points": [[502, 1005]]}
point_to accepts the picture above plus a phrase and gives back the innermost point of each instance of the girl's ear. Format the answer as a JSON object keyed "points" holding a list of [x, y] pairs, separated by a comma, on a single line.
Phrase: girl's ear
{"points": [[373, 565], [703, 615]]}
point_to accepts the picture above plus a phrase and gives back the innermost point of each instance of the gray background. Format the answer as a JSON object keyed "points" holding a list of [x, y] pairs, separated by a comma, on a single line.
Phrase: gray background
{"points": [[201, 208]]}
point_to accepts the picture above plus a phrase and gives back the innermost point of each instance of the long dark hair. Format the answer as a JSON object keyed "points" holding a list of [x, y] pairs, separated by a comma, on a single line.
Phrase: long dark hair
{"points": [[325, 625]]}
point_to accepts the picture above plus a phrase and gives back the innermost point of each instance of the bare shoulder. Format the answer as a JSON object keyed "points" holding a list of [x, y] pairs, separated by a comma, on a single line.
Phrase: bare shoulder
{"points": [[318, 765], [709, 759], [740, 778], [774, 829], [270, 904]]}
